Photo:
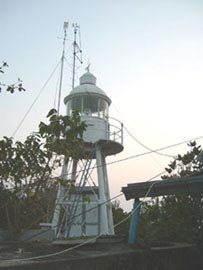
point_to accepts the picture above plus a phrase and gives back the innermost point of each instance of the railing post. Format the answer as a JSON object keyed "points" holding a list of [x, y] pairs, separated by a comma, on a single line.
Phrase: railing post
{"points": [[132, 235], [122, 133]]}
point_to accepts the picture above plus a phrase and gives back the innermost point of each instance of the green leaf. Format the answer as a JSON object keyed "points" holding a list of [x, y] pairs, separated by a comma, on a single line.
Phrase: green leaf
{"points": [[51, 112]]}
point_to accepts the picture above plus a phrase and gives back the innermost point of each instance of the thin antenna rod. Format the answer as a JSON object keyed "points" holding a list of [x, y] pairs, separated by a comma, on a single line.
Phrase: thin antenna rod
{"points": [[74, 54], [65, 26], [76, 50]]}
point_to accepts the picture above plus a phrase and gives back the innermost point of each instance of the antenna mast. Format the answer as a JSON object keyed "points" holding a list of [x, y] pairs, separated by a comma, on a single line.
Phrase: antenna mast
{"points": [[65, 27], [76, 50]]}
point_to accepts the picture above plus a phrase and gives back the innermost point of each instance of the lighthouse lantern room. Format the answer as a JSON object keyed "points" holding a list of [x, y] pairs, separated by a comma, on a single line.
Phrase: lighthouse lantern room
{"points": [[93, 105]]}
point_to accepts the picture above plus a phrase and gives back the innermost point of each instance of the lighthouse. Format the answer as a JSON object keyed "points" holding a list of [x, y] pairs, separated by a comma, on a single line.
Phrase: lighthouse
{"points": [[86, 209]]}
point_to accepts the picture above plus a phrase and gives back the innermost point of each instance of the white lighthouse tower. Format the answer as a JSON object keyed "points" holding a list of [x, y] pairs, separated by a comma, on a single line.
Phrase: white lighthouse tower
{"points": [[85, 210]]}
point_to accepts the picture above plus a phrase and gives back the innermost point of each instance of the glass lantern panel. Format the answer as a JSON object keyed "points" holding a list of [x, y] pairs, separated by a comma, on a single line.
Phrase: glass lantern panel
{"points": [[103, 108], [90, 105], [74, 104]]}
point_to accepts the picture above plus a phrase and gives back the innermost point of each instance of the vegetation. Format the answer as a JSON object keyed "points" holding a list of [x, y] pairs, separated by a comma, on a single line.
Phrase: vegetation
{"points": [[118, 215], [26, 170], [11, 87], [177, 218]]}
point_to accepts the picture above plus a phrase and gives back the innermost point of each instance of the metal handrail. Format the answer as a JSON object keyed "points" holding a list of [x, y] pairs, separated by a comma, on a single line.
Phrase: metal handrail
{"points": [[115, 130]]}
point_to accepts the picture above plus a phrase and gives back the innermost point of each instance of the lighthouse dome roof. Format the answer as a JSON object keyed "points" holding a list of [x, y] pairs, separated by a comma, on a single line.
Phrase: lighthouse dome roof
{"points": [[88, 87]]}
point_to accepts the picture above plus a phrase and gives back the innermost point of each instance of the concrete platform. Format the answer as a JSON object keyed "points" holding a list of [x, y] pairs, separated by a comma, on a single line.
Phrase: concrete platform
{"points": [[16, 256]]}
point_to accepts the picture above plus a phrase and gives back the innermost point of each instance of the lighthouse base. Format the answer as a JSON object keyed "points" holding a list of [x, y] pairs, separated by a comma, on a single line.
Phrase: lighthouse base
{"points": [[83, 215]]}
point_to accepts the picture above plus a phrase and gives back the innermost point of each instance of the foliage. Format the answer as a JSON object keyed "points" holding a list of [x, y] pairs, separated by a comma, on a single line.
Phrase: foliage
{"points": [[119, 215], [11, 87], [26, 168], [176, 217], [4, 64], [188, 164]]}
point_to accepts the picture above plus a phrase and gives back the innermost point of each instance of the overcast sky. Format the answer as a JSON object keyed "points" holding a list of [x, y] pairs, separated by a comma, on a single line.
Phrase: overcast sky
{"points": [[147, 56]]}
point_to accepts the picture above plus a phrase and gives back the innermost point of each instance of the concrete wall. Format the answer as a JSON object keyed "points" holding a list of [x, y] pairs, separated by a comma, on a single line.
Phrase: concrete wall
{"points": [[33, 235], [184, 258]]}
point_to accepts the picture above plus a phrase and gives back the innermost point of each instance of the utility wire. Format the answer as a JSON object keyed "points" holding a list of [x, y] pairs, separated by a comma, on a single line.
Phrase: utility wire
{"points": [[141, 154], [56, 92], [135, 209], [143, 145], [157, 150], [138, 141], [86, 241], [35, 100]]}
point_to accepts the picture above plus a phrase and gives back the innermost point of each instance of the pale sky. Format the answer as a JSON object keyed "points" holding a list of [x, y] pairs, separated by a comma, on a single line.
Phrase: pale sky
{"points": [[147, 56]]}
